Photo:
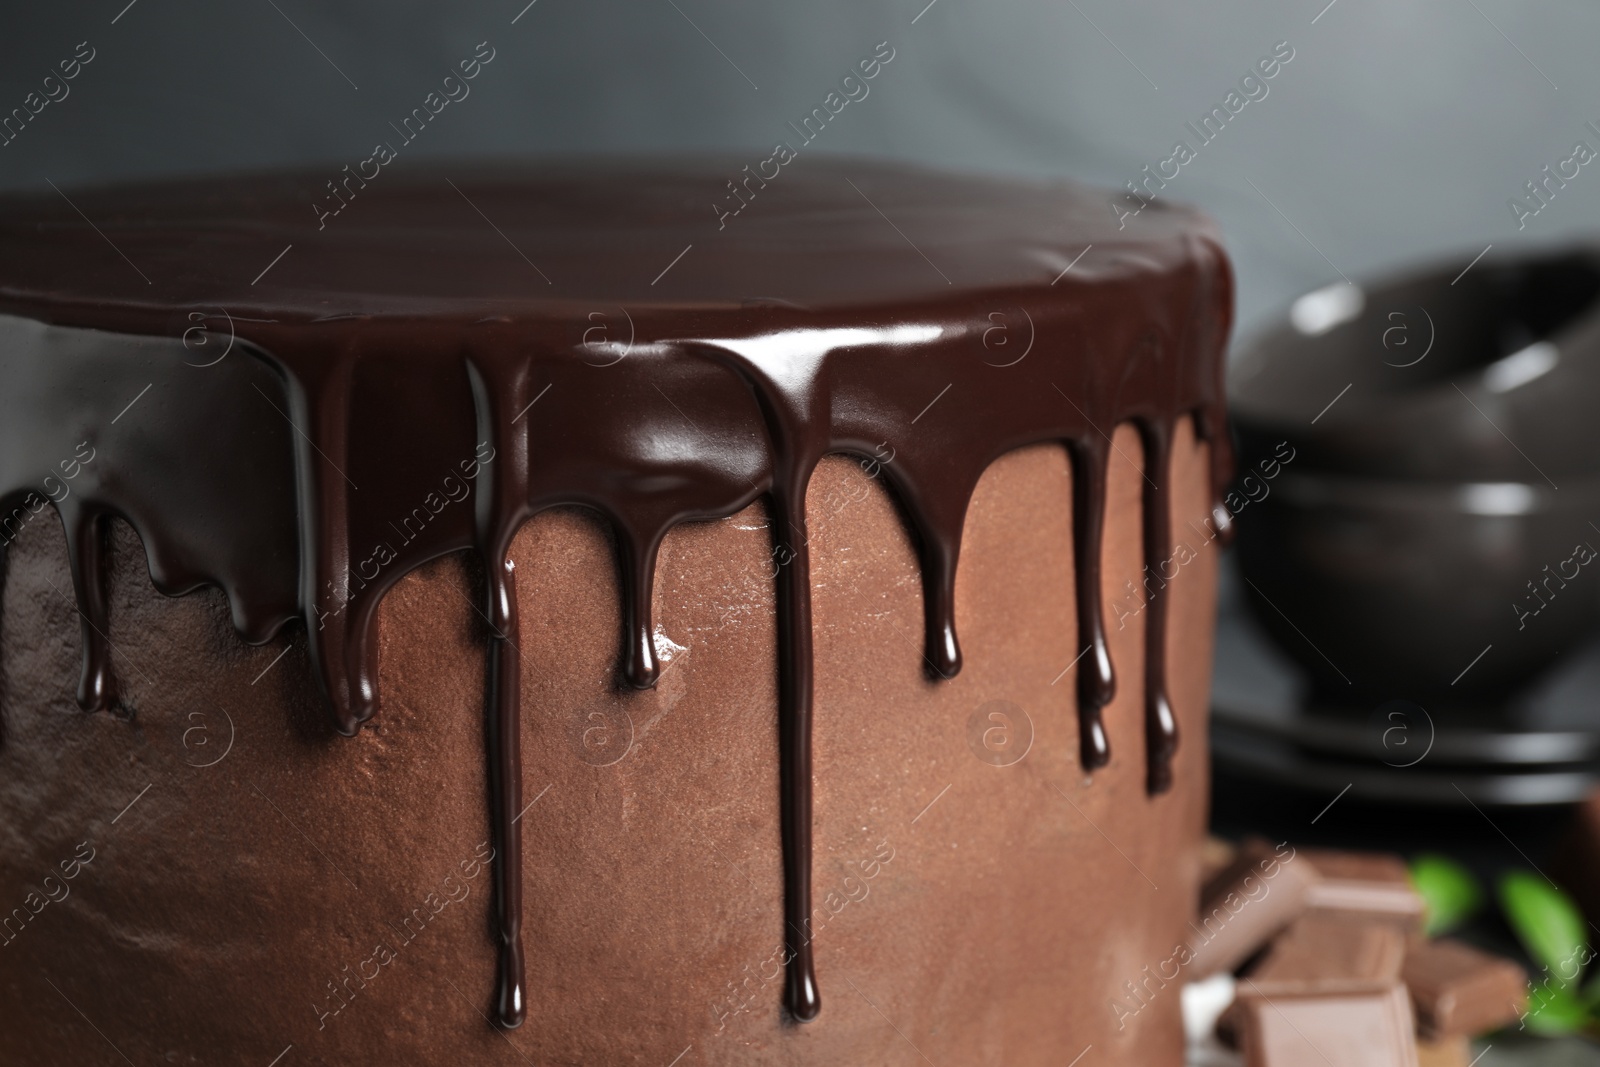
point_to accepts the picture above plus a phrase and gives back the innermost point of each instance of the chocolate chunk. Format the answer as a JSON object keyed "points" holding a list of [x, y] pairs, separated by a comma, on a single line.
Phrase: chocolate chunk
{"points": [[1246, 903], [1323, 949], [1322, 952], [1371, 883], [1369, 1027], [1445, 1052], [1460, 991]]}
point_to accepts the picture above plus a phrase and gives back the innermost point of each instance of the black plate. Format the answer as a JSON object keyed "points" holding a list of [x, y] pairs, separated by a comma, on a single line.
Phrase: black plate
{"points": [[1540, 746]]}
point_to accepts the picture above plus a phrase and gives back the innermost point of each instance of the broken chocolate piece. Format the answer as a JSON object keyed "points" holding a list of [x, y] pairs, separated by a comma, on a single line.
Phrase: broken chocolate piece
{"points": [[1245, 904], [1369, 1027], [1322, 949], [1460, 991], [1322, 952], [1374, 884]]}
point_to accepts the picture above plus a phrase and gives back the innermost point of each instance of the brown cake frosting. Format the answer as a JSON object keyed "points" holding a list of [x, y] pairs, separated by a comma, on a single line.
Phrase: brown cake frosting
{"points": [[584, 428]]}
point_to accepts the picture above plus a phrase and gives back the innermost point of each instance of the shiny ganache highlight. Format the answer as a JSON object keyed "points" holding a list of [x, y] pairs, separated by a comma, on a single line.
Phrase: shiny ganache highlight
{"points": [[411, 385]]}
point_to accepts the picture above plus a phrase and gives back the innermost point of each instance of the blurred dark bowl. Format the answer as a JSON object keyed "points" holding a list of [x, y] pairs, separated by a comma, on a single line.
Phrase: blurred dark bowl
{"points": [[1420, 459], [1385, 589], [1489, 376]]}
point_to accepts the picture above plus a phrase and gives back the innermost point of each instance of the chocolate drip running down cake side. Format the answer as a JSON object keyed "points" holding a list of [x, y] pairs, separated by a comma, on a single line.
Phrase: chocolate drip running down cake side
{"points": [[721, 621]]}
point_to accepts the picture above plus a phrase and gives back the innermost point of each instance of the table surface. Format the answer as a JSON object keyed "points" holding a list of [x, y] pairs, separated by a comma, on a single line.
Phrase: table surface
{"points": [[1497, 1052], [1567, 1052]]}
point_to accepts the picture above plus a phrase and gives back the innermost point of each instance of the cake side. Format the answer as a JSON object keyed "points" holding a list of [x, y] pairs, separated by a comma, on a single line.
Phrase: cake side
{"points": [[995, 921]]}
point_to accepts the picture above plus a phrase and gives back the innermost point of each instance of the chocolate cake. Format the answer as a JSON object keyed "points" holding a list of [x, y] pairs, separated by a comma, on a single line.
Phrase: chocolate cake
{"points": [[625, 541]]}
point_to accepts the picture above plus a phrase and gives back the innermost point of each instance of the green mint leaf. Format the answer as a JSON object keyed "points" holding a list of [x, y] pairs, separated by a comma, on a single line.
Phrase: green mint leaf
{"points": [[1548, 924], [1450, 892], [1553, 1010]]}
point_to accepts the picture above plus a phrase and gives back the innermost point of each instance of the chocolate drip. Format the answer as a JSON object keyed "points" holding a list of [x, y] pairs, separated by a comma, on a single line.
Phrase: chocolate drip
{"points": [[500, 505], [396, 372], [636, 560], [86, 556], [505, 791], [796, 687], [937, 554], [1096, 683], [1220, 445], [342, 653], [795, 401], [1160, 724]]}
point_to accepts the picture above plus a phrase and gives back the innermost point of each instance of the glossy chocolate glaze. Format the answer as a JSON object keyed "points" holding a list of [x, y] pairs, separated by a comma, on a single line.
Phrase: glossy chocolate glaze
{"points": [[458, 349]]}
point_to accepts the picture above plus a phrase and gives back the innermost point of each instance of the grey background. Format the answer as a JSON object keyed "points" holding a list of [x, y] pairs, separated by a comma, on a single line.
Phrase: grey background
{"points": [[1398, 130]]}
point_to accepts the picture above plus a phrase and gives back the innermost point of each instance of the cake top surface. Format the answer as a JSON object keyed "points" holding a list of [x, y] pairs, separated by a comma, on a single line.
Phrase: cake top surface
{"points": [[510, 239]]}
